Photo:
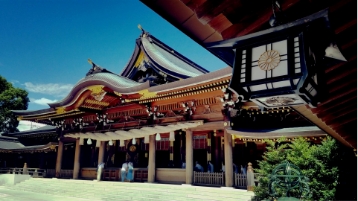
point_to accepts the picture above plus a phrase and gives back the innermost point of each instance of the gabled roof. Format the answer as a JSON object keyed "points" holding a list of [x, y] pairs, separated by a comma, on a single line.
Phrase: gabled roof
{"points": [[152, 53], [118, 83], [44, 129]]}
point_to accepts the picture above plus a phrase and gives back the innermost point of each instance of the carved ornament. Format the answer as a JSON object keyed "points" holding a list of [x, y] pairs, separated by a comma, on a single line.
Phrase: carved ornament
{"points": [[97, 92], [269, 60], [147, 94]]}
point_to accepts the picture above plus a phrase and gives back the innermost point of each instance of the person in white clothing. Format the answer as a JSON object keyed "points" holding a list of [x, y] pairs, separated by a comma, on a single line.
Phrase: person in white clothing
{"points": [[100, 168], [124, 171], [223, 167], [198, 167]]}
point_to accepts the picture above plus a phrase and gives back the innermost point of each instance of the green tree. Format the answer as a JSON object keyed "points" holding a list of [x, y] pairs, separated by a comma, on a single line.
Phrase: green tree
{"points": [[11, 98], [317, 162]]}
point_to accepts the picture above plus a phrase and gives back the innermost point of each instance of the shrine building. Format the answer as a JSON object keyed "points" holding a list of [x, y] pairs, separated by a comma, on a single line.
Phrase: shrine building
{"points": [[164, 113]]}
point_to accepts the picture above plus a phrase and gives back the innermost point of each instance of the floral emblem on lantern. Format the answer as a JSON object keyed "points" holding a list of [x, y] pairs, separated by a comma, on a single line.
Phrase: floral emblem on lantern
{"points": [[269, 60]]}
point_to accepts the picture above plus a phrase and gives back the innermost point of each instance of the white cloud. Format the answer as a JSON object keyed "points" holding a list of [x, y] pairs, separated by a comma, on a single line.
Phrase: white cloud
{"points": [[42, 101], [14, 82], [59, 90]]}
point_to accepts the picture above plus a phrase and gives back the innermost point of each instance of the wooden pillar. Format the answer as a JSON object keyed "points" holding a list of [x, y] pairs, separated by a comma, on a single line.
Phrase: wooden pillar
{"points": [[189, 168], [208, 147], [102, 148], [151, 159], [250, 177], [171, 151], [229, 174], [59, 158], [217, 152], [76, 163]]}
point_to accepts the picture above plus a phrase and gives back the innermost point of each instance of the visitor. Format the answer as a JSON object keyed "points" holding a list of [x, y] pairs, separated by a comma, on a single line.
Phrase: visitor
{"points": [[100, 168], [236, 170], [243, 170], [124, 171], [183, 165], [223, 167], [210, 167], [198, 167], [130, 175]]}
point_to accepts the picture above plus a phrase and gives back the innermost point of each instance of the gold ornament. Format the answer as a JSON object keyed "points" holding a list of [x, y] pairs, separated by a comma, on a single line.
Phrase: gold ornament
{"points": [[269, 60]]}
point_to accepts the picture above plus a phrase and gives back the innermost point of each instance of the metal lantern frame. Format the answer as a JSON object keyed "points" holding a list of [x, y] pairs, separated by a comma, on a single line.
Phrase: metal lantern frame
{"points": [[302, 82]]}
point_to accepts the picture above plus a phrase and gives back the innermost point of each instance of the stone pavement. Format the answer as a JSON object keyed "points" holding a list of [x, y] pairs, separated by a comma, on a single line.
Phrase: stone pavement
{"points": [[15, 195], [37, 189]]}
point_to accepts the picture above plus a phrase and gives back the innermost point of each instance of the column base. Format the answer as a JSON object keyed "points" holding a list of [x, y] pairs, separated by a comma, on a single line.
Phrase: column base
{"points": [[250, 188]]}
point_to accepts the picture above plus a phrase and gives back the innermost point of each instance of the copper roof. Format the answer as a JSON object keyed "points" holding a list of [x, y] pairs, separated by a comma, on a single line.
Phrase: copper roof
{"points": [[161, 58]]}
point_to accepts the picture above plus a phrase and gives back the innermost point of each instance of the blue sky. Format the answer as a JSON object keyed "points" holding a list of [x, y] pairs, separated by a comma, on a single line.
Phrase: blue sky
{"points": [[45, 44]]}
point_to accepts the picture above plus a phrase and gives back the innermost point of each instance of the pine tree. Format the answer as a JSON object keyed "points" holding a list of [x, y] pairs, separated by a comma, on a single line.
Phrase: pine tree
{"points": [[317, 162]]}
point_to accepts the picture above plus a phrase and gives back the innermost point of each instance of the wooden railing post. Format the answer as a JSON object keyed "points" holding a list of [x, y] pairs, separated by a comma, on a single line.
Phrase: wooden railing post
{"points": [[250, 177]]}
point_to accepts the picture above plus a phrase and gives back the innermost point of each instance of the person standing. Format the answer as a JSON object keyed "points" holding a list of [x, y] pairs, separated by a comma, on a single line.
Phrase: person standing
{"points": [[183, 165], [124, 171], [198, 167], [236, 170], [243, 170], [130, 172], [100, 168], [223, 167], [210, 167]]}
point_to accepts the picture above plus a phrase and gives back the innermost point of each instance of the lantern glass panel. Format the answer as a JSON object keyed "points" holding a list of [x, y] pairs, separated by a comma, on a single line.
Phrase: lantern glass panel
{"points": [[257, 51], [257, 73], [280, 84], [295, 81], [280, 47], [258, 87], [280, 70]]}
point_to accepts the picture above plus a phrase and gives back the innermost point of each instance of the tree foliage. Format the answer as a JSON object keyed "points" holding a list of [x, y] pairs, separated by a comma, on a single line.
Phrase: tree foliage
{"points": [[317, 162], [11, 98]]}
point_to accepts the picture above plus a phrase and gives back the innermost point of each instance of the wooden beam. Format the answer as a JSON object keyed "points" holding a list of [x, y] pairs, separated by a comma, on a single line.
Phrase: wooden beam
{"points": [[219, 125], [340, 124], [318, 122], [263, 18], [340, 118], [345, 26], [345, 84], [341, 64], [341, 76], [332, 105], [210, 9], [193, 4], [337, 111], [346, 94]]}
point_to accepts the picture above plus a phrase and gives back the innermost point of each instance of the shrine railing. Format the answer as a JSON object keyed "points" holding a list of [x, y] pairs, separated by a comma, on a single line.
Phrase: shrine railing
{"points": [[111, 174], [240, 180], [62, 174], [34, 172], [207, 178]]}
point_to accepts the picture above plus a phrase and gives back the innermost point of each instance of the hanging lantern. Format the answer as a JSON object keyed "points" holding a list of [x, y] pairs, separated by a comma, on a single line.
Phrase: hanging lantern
{"points": [[89, 141], [171, 136], [98, 143], [121, 143], [281, 66], [146, 139], [82, 141], [157, 137], [133, 141], [110, 143]]}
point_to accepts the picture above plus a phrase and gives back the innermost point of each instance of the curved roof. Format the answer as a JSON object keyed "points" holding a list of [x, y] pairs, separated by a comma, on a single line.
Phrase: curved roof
{"points": [[167, 61], [115, 82], [161, 58]]}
